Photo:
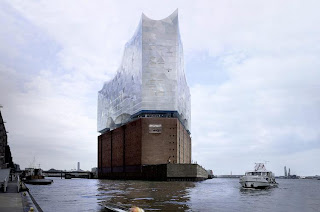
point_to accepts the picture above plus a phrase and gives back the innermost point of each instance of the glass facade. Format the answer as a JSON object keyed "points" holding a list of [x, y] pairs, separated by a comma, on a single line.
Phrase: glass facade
{"points": [[151, 76]]}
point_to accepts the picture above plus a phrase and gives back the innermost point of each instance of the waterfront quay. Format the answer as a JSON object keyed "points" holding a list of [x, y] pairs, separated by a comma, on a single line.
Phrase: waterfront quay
{"points": [[10, 198], [14, 195]]}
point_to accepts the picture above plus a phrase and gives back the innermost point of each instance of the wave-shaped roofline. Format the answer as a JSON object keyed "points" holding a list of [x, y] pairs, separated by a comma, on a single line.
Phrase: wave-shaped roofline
{"points": [[172, 16]]}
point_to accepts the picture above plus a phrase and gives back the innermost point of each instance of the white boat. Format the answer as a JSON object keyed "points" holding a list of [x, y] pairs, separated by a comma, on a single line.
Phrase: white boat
{"points": [[259, 178]]}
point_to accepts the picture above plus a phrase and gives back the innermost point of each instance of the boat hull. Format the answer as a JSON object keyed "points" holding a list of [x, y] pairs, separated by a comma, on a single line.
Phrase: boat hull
{"points": [[259, 178], [254, 184], [39, 181]]}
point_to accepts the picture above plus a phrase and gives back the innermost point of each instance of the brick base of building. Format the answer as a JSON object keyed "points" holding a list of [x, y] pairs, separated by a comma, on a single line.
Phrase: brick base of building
{"points": [[160, 172], [144, 149]]}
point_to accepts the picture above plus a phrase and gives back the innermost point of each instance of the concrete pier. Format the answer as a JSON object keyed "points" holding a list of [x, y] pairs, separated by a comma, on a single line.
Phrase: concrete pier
{"points": [[187, 172], [11, 201], [15, 200]]}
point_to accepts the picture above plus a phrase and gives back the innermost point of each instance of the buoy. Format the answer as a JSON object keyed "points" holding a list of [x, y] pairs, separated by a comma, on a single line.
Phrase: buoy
{"points": [[136, 209], [24, 193], [31, 209]]}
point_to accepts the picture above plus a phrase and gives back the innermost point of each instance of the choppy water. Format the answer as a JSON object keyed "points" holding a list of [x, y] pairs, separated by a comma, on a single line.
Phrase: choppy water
{"points": [[211, 195]]}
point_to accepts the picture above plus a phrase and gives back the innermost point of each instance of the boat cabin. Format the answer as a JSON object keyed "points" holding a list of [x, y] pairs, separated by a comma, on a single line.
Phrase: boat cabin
{"points": [[259, 174]]}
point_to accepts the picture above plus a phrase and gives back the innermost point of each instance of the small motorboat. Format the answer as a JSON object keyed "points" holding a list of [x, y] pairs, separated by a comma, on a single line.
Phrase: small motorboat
{"points": [[35, 177], [259, 178]]}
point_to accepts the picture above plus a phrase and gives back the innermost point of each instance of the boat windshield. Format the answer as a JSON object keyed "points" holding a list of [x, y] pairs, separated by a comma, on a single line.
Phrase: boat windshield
{"points": [[257, 173]]}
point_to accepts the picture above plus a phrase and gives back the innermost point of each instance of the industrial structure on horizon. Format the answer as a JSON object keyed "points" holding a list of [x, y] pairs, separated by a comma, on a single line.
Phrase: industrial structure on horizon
{"points": [[288, 174], [144, 111]]}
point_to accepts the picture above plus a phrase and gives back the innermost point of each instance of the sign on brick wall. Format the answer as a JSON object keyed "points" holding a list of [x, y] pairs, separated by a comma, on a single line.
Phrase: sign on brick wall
{"points": [[155, 128]]}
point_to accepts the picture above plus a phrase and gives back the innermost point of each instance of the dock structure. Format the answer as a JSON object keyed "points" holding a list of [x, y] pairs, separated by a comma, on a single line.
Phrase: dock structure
{"points": [[14, 195], [72, 174], [10, 199]]}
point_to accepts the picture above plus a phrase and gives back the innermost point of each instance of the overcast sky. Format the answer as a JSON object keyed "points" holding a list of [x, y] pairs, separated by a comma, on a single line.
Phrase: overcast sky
{"points": [[253, 69]]}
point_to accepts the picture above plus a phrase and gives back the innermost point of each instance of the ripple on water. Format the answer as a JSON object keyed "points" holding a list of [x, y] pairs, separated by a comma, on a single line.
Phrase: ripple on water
{"points": [[211, 195]]}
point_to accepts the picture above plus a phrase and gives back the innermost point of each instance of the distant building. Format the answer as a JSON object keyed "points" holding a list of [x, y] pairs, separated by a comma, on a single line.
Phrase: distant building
{"points": [[5, 152], [210, 174], [144, 112], [78, 168], [54, 170], [285, 172], [17, 167], [94, 171]]}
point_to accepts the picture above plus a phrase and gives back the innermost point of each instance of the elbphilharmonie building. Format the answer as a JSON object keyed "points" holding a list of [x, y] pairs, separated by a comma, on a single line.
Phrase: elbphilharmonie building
{"points": [[144, 111], [150, 80]]}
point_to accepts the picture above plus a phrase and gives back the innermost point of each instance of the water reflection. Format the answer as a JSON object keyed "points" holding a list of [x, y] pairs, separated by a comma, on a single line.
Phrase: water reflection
{"points": [[255, 192], [167, 196]]}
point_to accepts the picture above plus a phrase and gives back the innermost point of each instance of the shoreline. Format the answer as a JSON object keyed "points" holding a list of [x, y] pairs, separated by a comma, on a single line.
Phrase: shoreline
{"points": [[14, 201]]}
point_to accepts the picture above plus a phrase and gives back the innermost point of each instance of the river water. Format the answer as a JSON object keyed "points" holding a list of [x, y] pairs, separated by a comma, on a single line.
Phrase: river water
{"points": [[211, 195]]}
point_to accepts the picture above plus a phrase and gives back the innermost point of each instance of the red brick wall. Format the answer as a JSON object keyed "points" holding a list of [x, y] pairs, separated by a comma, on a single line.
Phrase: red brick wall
{"points": [[159, 148], [142, 147], [183, 144], [117, 147], [133, 143], [105, 150]]}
